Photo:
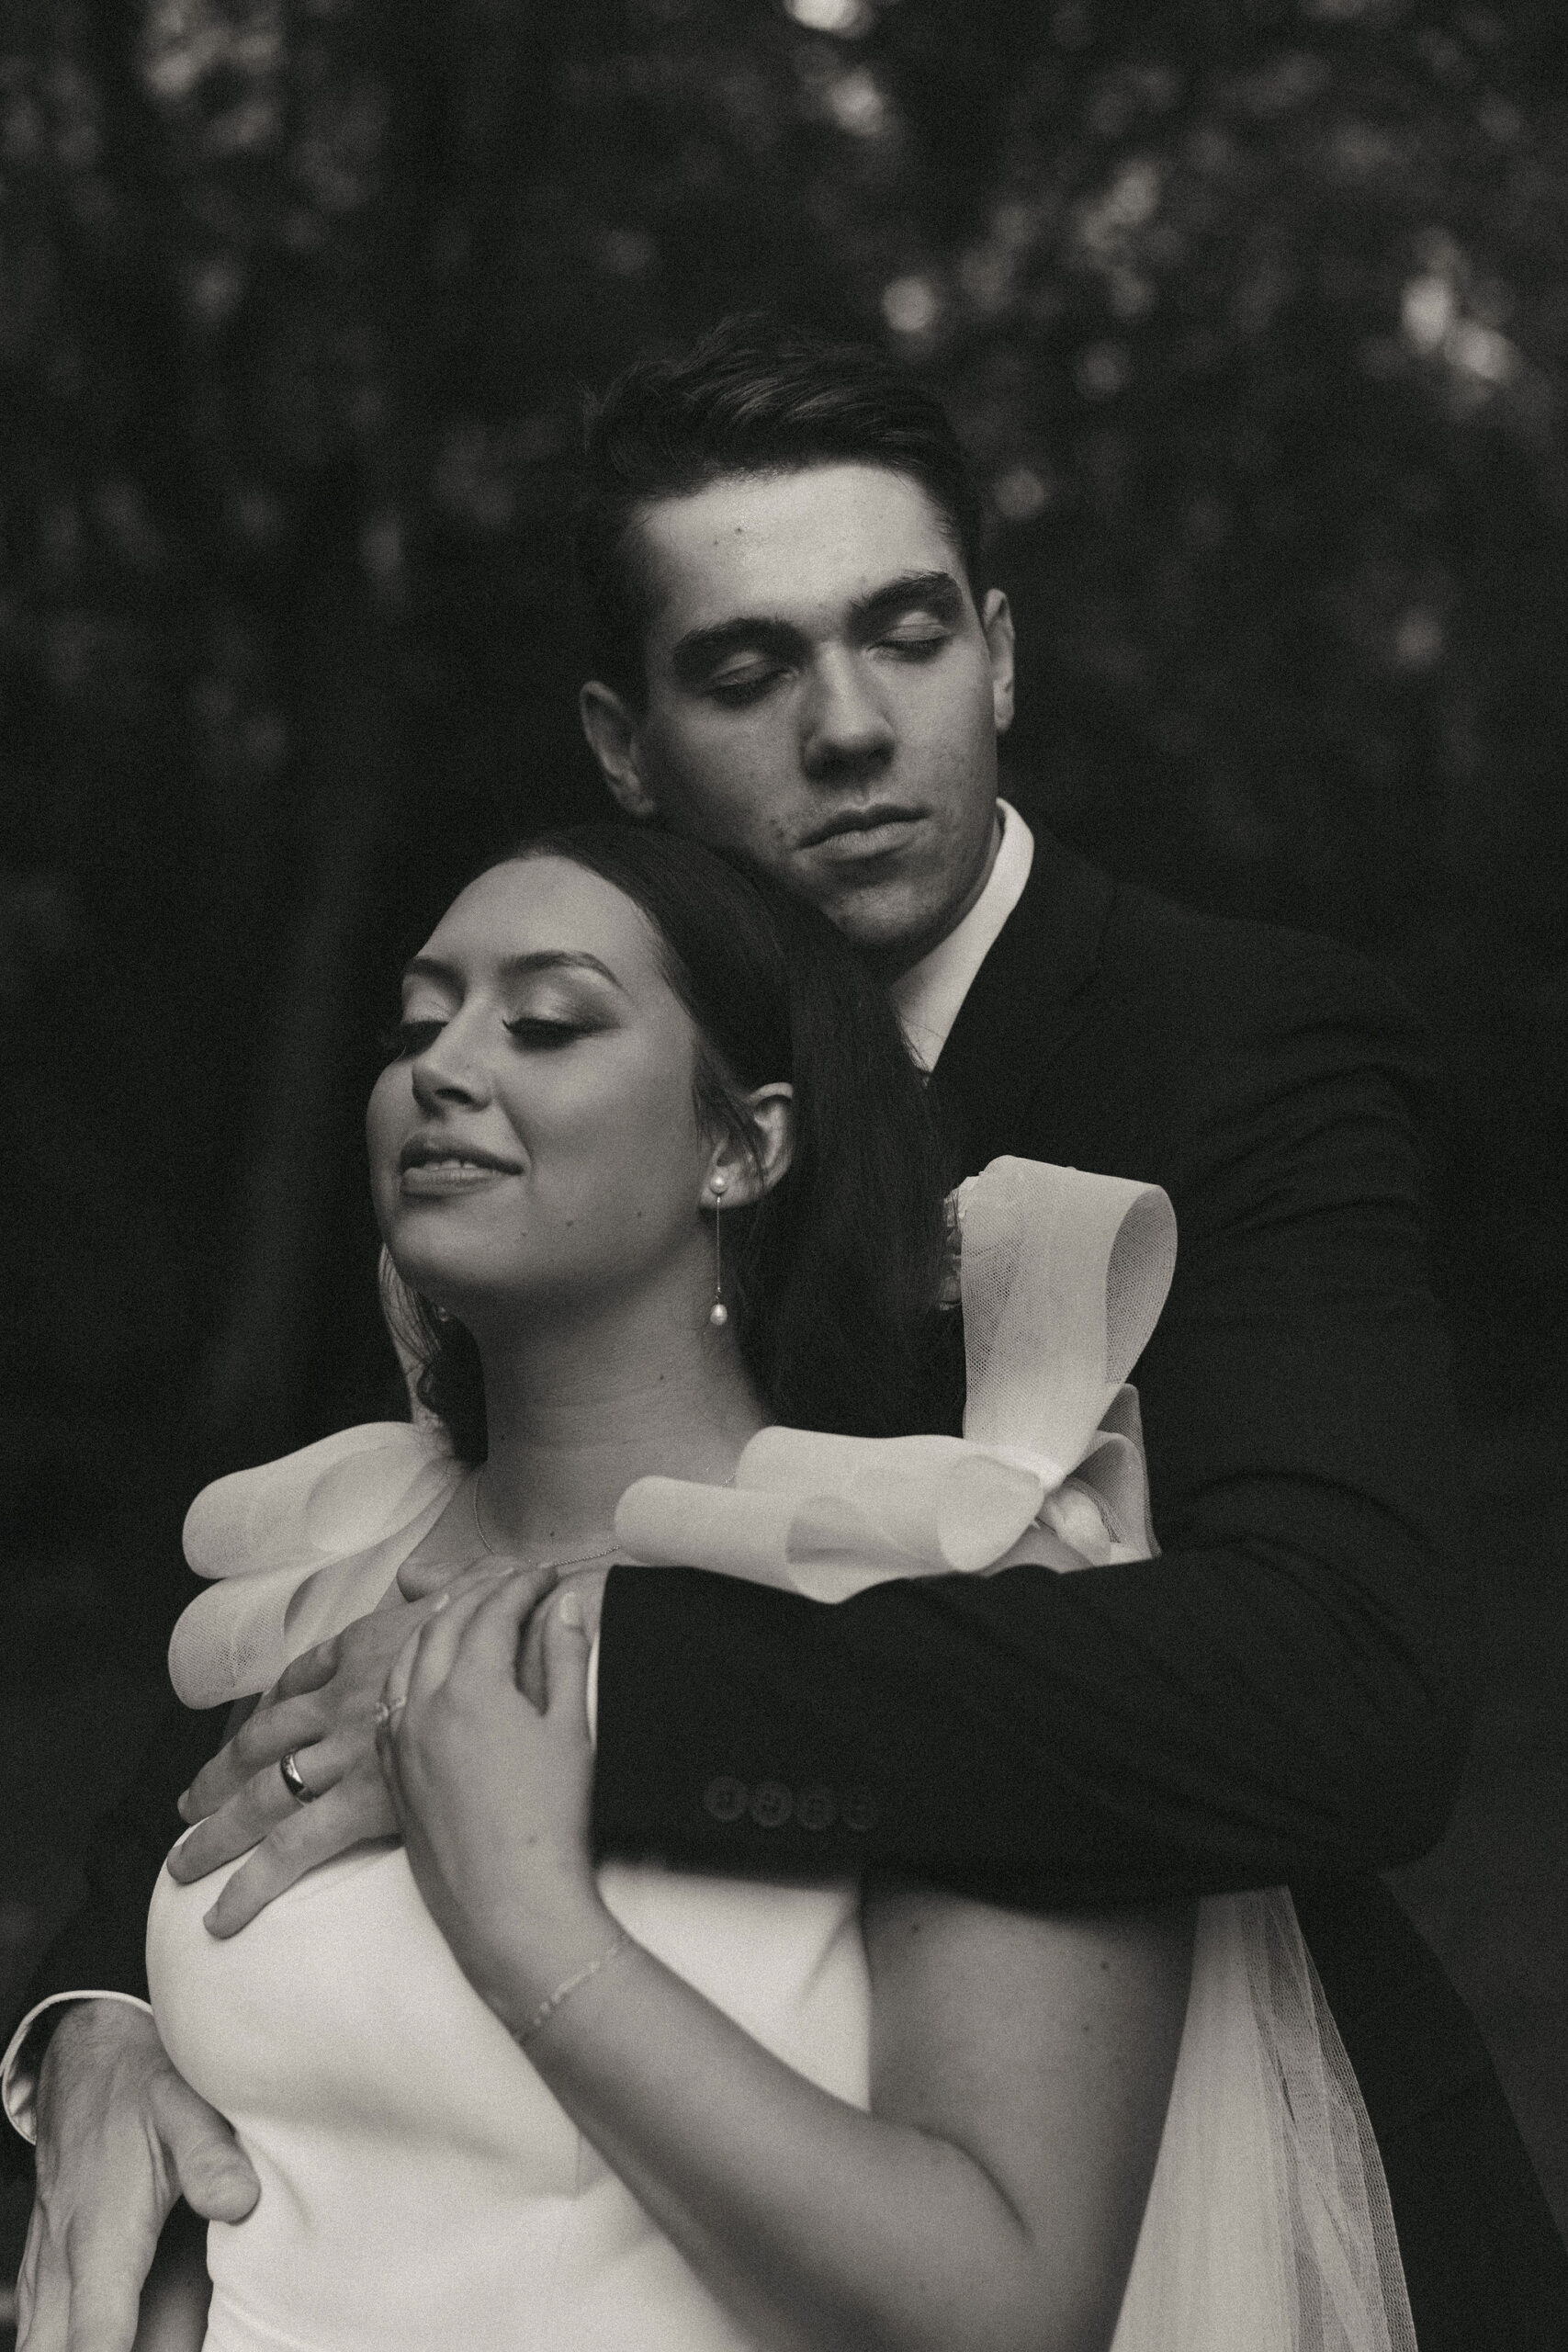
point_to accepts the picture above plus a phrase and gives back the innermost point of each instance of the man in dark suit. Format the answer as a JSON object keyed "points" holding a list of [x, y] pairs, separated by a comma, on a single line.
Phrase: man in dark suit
{"points": [[780, 549]]}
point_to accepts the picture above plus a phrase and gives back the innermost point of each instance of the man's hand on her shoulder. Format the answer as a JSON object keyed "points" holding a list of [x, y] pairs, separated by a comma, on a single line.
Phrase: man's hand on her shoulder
{"points": [[321, 1712], [121, 2135]]}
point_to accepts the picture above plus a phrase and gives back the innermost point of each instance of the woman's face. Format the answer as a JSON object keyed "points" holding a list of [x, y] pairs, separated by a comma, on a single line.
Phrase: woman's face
{"points": [[536, 1140]]}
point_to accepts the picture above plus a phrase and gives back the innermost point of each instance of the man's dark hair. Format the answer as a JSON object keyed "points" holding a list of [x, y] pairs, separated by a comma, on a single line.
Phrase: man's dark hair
{"points": [[751, 398]]}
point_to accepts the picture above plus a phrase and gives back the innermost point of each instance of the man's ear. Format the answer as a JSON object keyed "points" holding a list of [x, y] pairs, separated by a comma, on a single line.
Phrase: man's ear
{"points": [[611, 726], [996, 619]]}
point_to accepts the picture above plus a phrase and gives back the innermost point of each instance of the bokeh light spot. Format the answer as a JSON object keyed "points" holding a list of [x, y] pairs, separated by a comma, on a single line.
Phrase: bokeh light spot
{"points": [[910, 305], [1103, 370], [1020, 494], [847, 18]]}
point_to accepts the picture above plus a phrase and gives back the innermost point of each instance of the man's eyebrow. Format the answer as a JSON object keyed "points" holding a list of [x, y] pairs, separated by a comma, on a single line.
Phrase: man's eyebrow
{"points": [[700, 649], [543, 959]]}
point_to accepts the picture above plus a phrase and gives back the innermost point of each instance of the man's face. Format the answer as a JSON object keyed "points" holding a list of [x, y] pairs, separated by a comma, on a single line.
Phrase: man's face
{"points": [[822, 696]]}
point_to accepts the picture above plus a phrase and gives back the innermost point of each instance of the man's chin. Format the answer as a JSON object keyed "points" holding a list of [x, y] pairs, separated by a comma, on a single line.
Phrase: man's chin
{"points": [[889, 923]]}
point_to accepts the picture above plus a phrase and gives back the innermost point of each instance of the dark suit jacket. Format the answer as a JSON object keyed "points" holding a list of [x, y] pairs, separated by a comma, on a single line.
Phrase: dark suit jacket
{"points": [[1281, 1696], [1283, 1693]]}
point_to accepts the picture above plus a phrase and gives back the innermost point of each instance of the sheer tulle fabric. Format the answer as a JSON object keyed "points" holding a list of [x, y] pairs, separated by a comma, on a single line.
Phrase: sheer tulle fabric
{"points": [[1268, 2227]]}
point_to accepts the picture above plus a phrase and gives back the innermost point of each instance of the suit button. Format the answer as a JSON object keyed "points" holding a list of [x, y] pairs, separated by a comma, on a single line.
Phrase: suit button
{"points": [[725, 1798], [859, 1810], [772, 1804], [815, 1808]]}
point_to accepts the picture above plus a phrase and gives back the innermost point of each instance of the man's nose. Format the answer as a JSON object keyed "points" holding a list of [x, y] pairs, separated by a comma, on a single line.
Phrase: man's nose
{"points": [[846, 724]]}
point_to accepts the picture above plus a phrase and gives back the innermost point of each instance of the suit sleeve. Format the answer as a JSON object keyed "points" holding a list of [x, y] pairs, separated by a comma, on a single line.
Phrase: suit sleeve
{"points": [[1279, 1695], [103, 1946]]}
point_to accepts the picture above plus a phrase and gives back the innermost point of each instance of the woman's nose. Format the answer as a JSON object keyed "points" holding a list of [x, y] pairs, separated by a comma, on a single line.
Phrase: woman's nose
{"points": [[448, 1071], [846, 722]]}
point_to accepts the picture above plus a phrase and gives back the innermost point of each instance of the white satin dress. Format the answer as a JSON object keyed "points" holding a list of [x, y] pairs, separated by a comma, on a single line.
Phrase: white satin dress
{"points": [[422, 2189]]}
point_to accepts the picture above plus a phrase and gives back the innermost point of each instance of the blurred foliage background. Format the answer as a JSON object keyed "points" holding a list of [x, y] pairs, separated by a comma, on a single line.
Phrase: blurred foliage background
{"points": [[1254, 313], [1255, 317]]}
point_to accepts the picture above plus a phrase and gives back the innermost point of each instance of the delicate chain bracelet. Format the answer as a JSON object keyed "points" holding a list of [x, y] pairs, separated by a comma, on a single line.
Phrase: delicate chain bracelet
{"points": [[549, 2007]]}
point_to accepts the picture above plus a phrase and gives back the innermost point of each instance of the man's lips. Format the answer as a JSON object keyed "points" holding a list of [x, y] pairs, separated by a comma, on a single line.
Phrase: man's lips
{"points": [[864, 833]]}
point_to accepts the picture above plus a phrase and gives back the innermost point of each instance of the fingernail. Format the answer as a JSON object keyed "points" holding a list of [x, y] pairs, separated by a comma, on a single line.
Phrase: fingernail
{"points": [[570, 1609]]}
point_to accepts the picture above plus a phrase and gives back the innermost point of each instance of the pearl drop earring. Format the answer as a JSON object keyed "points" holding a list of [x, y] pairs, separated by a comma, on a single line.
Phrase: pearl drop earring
{"points": [[718, 1314]]}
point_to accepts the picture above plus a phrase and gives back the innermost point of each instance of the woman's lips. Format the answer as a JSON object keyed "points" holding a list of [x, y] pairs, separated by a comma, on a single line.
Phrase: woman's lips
{"points": [[431, 1178]]}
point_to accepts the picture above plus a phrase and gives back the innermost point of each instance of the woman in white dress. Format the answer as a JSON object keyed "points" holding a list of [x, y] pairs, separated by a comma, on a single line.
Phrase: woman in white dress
{"points": [[497, 2096]]}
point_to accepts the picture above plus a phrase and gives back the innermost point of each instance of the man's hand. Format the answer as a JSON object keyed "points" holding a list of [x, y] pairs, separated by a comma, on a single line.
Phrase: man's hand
{"points": [[322, 1711], [121, 2135]]}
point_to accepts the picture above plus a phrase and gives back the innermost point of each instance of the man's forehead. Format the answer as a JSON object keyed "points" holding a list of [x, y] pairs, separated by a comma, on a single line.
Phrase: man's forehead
{"points": [[820, 536]]}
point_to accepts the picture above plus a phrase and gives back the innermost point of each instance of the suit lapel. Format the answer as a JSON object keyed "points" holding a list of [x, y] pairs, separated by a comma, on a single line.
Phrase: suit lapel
{"points": [[1030, 998]]}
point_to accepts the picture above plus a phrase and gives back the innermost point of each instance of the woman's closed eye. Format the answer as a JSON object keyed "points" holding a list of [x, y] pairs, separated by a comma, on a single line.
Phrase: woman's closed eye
{"points": [[536, 1032], [541, 1031]]}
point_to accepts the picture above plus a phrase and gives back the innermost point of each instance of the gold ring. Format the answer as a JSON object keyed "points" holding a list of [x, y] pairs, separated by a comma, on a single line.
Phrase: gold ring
{"points": [[294, 1781]]}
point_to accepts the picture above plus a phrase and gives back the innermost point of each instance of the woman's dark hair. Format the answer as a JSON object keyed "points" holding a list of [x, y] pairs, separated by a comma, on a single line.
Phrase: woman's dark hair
{"points": [[752, 397], [832, 1277]]}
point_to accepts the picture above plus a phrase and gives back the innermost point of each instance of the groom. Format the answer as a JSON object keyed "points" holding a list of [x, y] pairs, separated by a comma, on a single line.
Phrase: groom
{"points": [[795, 661]]}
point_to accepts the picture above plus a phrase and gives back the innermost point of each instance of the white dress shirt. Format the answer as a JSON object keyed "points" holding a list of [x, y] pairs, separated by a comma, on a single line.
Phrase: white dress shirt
{"points": [[930, 995]]}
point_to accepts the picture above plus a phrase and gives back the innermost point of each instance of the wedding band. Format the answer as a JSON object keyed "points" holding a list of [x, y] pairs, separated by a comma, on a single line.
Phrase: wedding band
{"points": [[387, 1708], [294, 1781]]}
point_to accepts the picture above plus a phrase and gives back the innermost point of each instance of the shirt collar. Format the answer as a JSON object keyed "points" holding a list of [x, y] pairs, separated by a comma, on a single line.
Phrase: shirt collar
{"points": [[927, 998]]}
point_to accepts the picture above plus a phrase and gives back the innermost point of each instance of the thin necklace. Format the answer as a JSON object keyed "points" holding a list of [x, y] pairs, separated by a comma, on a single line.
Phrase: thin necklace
{"points": [[582, 1560]]}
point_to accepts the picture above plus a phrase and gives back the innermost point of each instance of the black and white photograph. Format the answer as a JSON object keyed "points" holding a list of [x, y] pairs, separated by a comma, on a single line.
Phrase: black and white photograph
{"points": [[783, 929]]}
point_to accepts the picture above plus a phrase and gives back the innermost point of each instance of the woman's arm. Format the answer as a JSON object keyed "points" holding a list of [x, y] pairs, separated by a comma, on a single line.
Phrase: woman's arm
{"points": [[1020, 2067], [1042, 2050], [992, 2198]]}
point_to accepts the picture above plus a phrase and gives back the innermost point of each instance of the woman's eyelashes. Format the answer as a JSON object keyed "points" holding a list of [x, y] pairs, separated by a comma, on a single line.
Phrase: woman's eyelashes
{"points": [[546, 1030], [538, 1032], [543, 1029]]}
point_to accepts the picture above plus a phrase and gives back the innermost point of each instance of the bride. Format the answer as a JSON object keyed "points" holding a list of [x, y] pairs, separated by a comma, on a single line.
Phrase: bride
{"points": [[655, 1177]]}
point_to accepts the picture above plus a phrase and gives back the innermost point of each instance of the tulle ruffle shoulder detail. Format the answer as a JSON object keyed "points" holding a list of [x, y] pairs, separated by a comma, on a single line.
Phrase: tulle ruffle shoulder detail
{"points": [[338, 1496], [351, 1502], [1062, 1277]]}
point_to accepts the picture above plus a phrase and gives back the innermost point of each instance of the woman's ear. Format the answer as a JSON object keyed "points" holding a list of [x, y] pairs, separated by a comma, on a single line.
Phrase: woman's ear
{"points": [[745, 1176], [772, 1115], [610, 724]]}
